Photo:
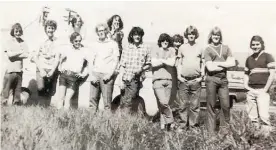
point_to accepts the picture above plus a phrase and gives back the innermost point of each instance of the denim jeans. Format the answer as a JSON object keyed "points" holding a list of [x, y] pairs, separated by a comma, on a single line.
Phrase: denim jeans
{"points": [[130, 93], [162, 90], [104, 88], [13, 83], [189, 102], [46, 86], [217, 88]]}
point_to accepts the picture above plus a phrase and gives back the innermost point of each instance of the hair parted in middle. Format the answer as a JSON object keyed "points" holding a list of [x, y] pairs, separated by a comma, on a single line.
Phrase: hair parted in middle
{"points": [[110, 22], [165, 37], [75, 19], [18, 27], [191, 30], [215, 31], [135, 31]]}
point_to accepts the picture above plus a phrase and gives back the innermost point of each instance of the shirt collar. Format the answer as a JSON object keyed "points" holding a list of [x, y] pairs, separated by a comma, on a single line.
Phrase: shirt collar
{"points": [[54, 39], [132, 46]]}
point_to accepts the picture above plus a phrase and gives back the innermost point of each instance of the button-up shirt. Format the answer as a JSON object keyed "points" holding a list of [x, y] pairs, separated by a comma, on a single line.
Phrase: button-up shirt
{"points": [[133, 59]]}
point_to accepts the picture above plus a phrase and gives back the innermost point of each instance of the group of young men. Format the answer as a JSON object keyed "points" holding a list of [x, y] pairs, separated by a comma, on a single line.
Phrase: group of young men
{"points": [[101, 63]]}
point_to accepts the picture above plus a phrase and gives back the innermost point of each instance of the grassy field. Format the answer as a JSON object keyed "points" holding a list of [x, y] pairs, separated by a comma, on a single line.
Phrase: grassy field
{"points": [[38, 128]]}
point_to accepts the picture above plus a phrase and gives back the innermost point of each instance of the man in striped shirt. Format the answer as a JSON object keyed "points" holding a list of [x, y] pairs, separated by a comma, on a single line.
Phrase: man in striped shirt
{"points": [[259, 75]]}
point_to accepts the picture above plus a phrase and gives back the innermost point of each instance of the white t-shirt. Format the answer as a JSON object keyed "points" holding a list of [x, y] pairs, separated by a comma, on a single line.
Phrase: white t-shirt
{"points": [[105, 57]]}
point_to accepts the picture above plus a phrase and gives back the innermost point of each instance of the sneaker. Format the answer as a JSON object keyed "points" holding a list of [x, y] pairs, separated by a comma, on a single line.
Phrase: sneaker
{"points": [[162, 126]]}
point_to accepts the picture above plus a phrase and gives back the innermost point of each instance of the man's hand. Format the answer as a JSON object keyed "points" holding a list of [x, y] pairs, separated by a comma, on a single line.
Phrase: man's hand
{"points": [[107, 77], [198, 79], [94, 80], [181, 79], [42, 73]]}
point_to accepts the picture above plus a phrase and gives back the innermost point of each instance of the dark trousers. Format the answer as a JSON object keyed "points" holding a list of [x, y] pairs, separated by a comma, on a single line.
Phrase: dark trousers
{"points": [[13, 83], [130, 93], [104, 88], [46, 86], [217, 88], [189, 102]]}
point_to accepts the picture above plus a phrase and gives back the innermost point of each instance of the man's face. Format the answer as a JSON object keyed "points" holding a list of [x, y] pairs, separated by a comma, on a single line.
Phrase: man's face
{"points": [[164, 44], [50, 31], [17, 33], [216, 38], [136, 38], [256, 46], [191, 37], [116, 22], [77, 42], [102, 33], [176, 44]]}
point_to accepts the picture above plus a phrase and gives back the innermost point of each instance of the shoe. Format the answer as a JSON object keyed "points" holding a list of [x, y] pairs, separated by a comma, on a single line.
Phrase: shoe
{"points": [[162, 126]]}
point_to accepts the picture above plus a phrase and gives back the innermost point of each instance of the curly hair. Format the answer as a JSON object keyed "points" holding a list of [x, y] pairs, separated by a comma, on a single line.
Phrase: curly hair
{"points": [[216, 31], [135, 31], [52, 23], [259, 39], [191, 30], [18, 27], [178, 38], [110, 22], [165, 37]]}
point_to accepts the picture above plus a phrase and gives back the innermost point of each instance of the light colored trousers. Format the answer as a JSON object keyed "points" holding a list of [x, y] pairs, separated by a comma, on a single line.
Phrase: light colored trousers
{"points": [[258, 107]]}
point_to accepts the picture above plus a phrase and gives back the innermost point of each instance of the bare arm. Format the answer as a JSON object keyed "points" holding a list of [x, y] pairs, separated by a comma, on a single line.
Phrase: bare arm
{"points": [[169, 61], [246, 81], [211, 66], [230, 62], [156, 62], [270, 79]]}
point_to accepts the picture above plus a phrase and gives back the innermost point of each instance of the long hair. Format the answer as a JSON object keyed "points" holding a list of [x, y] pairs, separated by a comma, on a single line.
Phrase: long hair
{"points": [[52, 23], [191, 30], [135, 31], [18, 27], [110, 22], [75, 19], [165, 37], [215, 31], [259, 39]]}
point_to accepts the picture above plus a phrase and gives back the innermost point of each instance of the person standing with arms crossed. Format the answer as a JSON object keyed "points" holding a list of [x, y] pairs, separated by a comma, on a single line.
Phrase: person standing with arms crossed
{"points": [[218, 58]]}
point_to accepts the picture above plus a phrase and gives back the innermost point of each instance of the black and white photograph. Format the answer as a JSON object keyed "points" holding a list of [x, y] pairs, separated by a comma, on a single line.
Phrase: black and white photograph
{"points": [[138, 75]]}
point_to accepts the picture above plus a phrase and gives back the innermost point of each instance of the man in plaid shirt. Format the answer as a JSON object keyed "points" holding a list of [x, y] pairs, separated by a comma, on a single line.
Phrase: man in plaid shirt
{"points": [[135, 60]]}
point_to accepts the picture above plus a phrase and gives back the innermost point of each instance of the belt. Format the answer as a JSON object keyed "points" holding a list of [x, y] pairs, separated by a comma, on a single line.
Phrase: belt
{"points": [[192, 77], [69, 72]]}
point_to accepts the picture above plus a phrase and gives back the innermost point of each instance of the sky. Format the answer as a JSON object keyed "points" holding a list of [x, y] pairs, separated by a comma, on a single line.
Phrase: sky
{"points": [[239, 21]]}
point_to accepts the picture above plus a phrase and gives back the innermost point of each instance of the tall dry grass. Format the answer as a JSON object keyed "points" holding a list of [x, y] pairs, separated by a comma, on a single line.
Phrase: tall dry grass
{"points": [[38, 128]]}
